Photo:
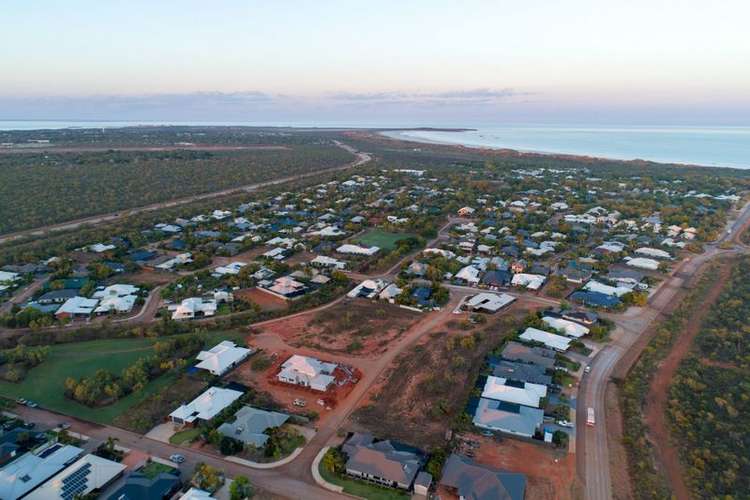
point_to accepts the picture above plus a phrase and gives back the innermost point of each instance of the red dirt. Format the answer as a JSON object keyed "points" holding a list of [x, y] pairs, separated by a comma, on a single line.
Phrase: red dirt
{"points": [[265, 301], [551, 473], [656, 401], [373, 325]]}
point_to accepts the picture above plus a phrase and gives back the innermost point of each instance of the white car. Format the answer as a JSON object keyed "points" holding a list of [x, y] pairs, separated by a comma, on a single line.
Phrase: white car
{"points": [[565, 423], [587, 369], [177, 458]]}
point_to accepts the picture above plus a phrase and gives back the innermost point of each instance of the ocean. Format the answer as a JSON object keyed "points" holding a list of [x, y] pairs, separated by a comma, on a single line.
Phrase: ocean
{"points": [[707, 146]]}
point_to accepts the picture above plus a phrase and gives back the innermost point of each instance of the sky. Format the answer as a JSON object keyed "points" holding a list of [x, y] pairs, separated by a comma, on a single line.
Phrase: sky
{"points": [[390, 63]]}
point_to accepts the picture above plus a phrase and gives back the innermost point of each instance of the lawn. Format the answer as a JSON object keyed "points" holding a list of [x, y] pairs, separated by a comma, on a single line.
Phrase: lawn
{"points": [[153, 469], [44, 383], [186, 436], [361, 488], [382, 239]]}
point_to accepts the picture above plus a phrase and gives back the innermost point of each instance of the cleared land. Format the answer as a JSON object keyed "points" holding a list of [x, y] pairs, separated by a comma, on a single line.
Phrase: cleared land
{"points": [[358, 327], [427, 387], [44, 383], [382, 239]]}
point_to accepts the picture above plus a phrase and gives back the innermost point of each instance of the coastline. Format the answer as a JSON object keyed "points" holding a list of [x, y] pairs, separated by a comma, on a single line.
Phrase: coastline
{"points": [[404, 136]]}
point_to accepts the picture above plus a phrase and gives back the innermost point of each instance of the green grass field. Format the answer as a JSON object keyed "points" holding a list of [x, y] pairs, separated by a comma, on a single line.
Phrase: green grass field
{"points": [[44, 383], [382, 239]]}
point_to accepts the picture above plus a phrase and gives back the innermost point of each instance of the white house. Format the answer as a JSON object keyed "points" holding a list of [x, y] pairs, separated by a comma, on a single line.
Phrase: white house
{"points": [[653, 252], [77, 306], [231, 268], [643, 263], [357, 250], [206, 406], [527, 394], [307, 372], [530, 281], [193, 307], [469, 274], [615, 291], [569, 328], [551, 340], [489, 302], [88, 474], [222, 357], [324, 261]]}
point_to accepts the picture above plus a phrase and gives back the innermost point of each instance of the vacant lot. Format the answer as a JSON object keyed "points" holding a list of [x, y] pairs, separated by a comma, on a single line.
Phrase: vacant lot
{"points": [[264, 300], [428, 386], [44, 383], [358, 327], [382, 239]]}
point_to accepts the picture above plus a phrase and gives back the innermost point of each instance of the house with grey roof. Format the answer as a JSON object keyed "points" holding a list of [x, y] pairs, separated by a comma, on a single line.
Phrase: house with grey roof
{"points": [[471, 481], [511, 418], [250, 425], [515, 351], [386, 463], [521, 372]]}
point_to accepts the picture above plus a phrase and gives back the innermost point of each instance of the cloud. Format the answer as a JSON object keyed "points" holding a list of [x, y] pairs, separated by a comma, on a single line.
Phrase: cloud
{"points": [[454, 97]]}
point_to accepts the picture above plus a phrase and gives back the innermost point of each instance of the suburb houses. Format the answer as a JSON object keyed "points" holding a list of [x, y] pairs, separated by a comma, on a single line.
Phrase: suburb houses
{"points": [[221, 358]]}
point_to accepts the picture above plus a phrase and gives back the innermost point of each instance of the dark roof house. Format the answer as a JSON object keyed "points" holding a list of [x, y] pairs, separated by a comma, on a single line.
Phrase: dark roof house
{"points": [[476, 482]]}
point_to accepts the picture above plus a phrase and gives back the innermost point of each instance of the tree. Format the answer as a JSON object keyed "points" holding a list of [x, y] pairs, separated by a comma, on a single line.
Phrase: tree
{"points": [[240, 488], [334, 460]]}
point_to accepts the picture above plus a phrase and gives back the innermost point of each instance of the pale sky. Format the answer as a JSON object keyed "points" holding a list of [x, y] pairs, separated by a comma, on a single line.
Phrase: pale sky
{"points": [[444, 61]]}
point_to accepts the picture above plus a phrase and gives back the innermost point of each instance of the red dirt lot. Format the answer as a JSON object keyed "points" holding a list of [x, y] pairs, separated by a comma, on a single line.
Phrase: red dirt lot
{"points": [[285, 394], [550, 473], [356, 327], [264, 300]]}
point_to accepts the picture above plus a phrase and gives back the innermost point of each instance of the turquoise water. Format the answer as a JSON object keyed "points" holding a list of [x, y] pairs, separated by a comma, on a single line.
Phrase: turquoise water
{"points": [[709, 146]]}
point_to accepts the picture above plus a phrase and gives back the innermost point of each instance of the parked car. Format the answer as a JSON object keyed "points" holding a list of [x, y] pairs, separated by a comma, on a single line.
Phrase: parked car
{"points": [[565, 423], [177, 458], [64, 426], [31, 404], [587, 369]]}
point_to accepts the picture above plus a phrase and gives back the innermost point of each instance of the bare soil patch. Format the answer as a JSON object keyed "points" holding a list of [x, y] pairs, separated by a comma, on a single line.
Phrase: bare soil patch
{"points": [[265, 301], [356, 327], [550, 472], [428, 386]]}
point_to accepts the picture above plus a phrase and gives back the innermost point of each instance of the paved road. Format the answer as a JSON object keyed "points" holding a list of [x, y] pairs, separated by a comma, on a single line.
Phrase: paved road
{"points": [[592, 442], [362, 158]]}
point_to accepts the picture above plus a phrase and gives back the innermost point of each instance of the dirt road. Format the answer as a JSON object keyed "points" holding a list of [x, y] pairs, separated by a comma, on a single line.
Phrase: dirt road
{"points": [[362, 158]]}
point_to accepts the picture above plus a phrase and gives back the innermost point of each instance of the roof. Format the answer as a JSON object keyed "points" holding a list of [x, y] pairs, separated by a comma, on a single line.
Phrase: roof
{"points": [[139, 487], [489, 301], [207, 405], [569, 328], [196, 494], [250, 424], [508, 417], [551, 340], [596, 286], [523, 393], [384, 460], [595, 298], [87, 474], [221, 357], [522, 372], [357, 250], [516, 351], [32, 469], [78, 305], [477, 482]]}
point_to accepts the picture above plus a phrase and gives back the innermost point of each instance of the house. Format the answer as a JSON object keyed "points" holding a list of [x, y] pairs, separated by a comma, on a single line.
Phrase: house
{"points": [[390, 293], [615, 291], [643, 263], [522, 393], [139, 487], [386, 463], [8, 277], [470, 481], [466, 212], [515, 351], [367, 289], [77, 307], [520, 372], [250, 424], [469, 275], [510, 418], [87, 476], [496, 279], [205, 407], [422, 483], [653, 252], [286, 287], [307, 372], [569, 328], [100, 248], [171, 263], [595, 299], [222, 357], [576, 273], [551, 340], [193, 307], [323, 261], [357, 250], [116, 298], [488, 302], [530, 281], [196, 494], [57, 296], [32, 469], [232, 268]]}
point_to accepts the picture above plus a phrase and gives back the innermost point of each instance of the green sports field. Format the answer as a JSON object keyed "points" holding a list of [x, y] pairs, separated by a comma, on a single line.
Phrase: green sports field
{"points": [[44, 383], [382, 239]]}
